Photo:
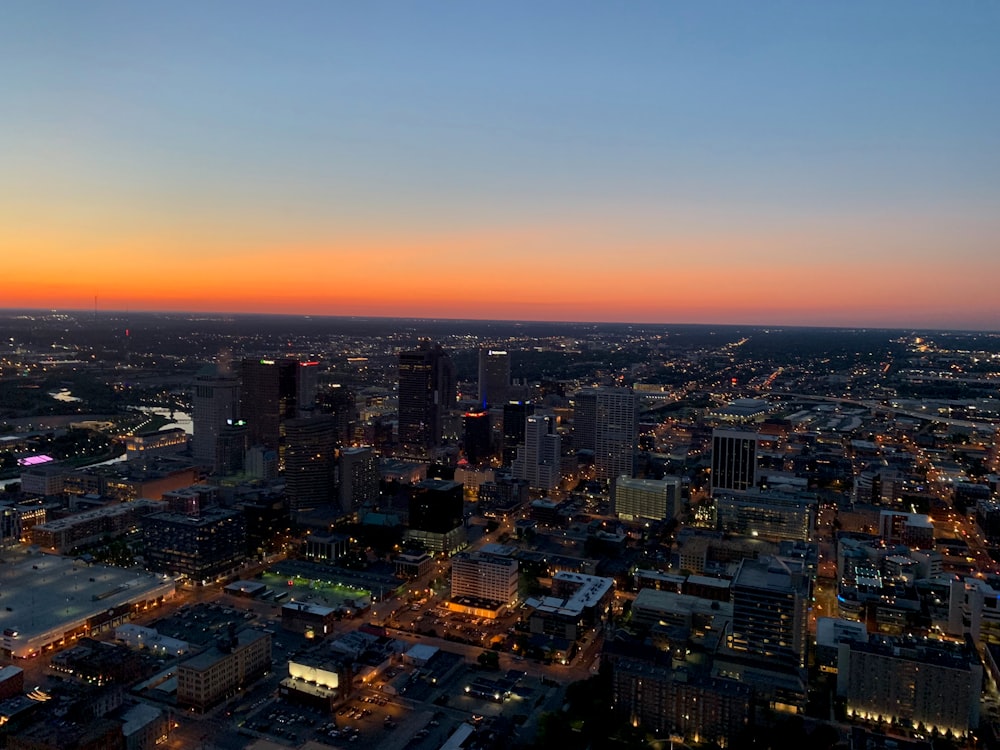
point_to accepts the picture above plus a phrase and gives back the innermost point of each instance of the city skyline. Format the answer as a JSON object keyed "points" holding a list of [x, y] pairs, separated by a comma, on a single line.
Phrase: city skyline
{"points": [[779, 164]]}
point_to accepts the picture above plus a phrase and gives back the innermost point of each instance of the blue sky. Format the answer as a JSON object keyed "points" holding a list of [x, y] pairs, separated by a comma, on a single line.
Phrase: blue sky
{"points": [[689, 138]]}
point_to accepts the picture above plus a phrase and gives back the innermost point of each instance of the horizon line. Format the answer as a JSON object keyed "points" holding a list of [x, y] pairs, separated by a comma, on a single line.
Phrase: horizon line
{"points": [[234, 314]]}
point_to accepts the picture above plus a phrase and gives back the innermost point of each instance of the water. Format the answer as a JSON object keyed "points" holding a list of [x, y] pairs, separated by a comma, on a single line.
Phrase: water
{"points": [[180, 419], [65, 395]]}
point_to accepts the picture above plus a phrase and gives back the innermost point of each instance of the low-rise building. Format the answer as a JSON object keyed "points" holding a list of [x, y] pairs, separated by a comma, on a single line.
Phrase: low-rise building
{"points": [[236, 661]]}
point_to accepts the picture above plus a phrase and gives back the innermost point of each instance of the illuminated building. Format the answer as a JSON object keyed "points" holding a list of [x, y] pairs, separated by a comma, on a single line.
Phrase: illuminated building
{"points": [[767, 514], [770, 611], [436, 515], [734, 460], [359, 478], [200, 547], [931, 686], [140, 447], [211, 676], [606, 421], [63, 534], [494, 377], [476, 436], [215, 404], [426, 392], [483, 582], [676, 702], [515, 415], [539, 460], [310, 462], [653, 499], [275, 391]]}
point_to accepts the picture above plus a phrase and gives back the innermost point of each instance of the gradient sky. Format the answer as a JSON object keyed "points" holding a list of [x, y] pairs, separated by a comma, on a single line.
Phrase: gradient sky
{"points": [[815, 163]]}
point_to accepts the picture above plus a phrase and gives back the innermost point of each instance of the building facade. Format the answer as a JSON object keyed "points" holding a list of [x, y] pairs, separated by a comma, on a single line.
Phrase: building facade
{"points": [[734, 460], [652, 499], [539, 460], [494, 377], [426, 379], [770, 611], [201, 547], [215, 404], [218, 672], [484, 577]]}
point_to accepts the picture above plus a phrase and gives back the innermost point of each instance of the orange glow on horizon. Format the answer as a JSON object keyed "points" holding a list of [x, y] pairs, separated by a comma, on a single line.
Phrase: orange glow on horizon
{"points": [[543, 273]]}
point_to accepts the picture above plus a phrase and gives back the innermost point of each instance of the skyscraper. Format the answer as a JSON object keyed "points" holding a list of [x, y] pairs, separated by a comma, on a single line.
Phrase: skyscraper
{"points": [[310, 461], [476, 436], [539, 460], [770, 611], [215, 404], [515, 414], [606, 421], [359, 480], [494, 377], [655, 499], [275, 391], [734, 460], [426, 392]]}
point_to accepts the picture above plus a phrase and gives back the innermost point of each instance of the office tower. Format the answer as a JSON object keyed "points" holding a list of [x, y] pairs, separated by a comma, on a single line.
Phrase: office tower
{"points": [[310, 462], [436, 505], [770, 611], [436, 517], [476, 436], [585, 420], [606, 420], [232, 447], [515, 415], [359, 479], [484, 578], [426, 392], [734, 460], [215, 404], [654, 499], [538, 460], [494, 377], [340, 402], [275, 391], [768, 514]]}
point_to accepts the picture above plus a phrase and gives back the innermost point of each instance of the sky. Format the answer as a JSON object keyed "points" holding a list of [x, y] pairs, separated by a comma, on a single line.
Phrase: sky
{"points": [[794, 163]]}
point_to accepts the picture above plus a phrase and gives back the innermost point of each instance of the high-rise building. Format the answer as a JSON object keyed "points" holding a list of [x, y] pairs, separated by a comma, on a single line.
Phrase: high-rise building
{"points": [[359, 478], [539, 460], [654, 499], [484, 578], [515, 415], [734, 460], [310, 462], [494, 377], [585, 420], [215, 404], [340, 402], [676, 702], [426, 392], [606, 421], [476, 436], [436, 518], [931, 685], [200, 547], [773, 515], [275, 391], [770, 611]]}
